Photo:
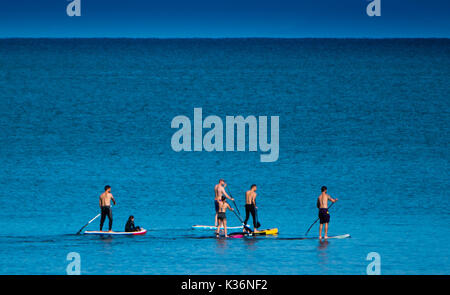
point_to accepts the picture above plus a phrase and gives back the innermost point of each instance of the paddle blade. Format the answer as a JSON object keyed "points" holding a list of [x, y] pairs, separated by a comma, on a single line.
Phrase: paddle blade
{"points": [[258, 225], [88, 223], [78, 232]]}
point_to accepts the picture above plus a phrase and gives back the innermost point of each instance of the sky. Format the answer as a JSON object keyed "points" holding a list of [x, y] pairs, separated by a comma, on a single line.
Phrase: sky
{"points": [[225, 18]]}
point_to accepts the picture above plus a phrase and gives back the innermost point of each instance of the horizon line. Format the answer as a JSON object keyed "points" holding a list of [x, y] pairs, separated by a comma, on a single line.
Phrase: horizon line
{"points": [[172, 38]]}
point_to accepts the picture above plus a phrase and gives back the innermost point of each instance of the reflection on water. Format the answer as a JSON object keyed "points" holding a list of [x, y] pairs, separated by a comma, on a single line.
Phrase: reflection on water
{"points": [[323, 254], [222, 245], [323, 244], [107, 242], [107, 239], [251, 243]]}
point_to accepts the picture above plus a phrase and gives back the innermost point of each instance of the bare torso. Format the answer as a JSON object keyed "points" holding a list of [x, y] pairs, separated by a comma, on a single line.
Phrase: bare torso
{"points": [[250, 197], [219, 191], [322, 201], [105, 199], [223, 206]]}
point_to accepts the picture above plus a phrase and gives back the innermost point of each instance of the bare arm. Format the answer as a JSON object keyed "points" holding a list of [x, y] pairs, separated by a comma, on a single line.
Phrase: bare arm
{"points": [[332, 200], [112, 199], [229, 207], [100, 201], [254, 201], [225, 193]]}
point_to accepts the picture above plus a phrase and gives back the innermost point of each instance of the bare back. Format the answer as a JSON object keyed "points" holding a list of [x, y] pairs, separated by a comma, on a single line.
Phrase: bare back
{"points": [[105, 199], [250, 197], [223, 206], [219, 191], [323, 200]]}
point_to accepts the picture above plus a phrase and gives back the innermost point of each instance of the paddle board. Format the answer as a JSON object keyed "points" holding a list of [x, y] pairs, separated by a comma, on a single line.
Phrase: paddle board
{"points": [[316, 238], [339, 237], [232, 236], [264, 232], [116, 233], [214, 227]]}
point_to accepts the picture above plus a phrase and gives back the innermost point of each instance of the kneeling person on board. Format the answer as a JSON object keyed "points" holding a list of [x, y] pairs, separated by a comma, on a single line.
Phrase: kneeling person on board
{"points": [[221, 216], [324, 216], [130, 227], [105, 207], [250, 206], [219, 192]]}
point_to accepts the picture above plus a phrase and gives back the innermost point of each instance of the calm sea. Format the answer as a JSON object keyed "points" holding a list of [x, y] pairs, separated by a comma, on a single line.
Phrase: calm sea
{"points": [[370, 119]]}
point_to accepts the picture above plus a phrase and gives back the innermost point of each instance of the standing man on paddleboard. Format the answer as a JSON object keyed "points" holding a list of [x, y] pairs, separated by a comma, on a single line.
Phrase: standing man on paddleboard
{"points": [[324, 216], [105, 207], [219, 191], [250, 206], [221, 216]]}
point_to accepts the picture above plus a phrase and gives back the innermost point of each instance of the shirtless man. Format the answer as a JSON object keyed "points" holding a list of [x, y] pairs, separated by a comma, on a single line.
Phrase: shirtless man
{"points": [[250, 206], [219, 191], [221, 216], [324, 216], [105, 207]]}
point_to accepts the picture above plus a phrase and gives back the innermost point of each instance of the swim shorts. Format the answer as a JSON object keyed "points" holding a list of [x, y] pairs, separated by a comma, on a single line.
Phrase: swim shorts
{"points": [[324, 216], [216, 205]]}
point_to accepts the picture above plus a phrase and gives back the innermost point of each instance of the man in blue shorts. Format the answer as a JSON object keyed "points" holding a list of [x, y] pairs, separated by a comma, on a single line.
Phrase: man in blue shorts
{"points": [[219, 191]]}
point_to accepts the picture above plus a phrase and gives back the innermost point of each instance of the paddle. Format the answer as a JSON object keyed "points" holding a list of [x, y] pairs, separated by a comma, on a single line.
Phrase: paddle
{"points": [[242, 221], [238, 216], [229, 192], [258, 225], [316, 221], [88, 223]]}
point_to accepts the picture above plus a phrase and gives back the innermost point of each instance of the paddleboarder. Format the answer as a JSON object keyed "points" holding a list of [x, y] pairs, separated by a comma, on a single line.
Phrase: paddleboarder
{"points": [[250, 206], [324, 216], [219, 191], [105, 207], [221, 216], [130, 227]]}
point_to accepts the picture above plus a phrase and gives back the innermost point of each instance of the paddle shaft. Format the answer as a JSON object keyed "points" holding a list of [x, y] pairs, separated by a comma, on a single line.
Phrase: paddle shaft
{"points": [[258, 225], [242, 221], [234, 202], [88, 223], [316, 221]]}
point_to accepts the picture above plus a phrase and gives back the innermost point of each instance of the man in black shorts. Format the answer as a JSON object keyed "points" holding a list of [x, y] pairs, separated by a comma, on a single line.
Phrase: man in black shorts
{"points": [[222, 217], [324, 216]]}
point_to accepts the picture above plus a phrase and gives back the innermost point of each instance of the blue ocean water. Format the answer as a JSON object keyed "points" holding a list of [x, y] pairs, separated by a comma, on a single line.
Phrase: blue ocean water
{"points": [[367, 118]]}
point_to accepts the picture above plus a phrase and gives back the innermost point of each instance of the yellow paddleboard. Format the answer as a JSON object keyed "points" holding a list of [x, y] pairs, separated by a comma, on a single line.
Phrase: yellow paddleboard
{"points": [[271, 231]]}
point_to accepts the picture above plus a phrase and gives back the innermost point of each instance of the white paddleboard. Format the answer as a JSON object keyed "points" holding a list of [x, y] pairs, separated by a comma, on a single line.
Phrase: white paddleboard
{"points": [[214, 227], [340, 237], [316, 238], [336, 237], [116, 233]]}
